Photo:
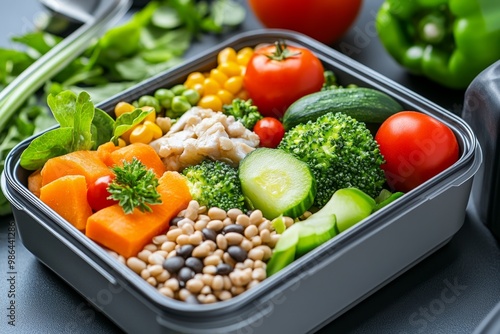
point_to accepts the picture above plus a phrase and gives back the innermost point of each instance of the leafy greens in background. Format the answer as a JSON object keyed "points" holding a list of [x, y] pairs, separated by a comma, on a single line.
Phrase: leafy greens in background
{"points": [[154, 39]]}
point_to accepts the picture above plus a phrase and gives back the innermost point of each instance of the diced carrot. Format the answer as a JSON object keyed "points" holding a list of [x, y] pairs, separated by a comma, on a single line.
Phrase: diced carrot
{"points": [[127, 234], [104, 152], [143, 152], [35, 182], [86, 163], [67, 196]]}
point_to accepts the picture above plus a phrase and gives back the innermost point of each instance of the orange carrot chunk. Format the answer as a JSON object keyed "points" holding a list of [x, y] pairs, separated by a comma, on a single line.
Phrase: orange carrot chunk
{"points": [[143, 152], [127, 234], [67, 196], [104, 152], [86, 163], [35, 182]]}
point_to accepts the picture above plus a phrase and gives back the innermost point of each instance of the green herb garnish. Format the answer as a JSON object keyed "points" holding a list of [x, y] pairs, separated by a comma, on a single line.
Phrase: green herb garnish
{"points": [[134, 187]]}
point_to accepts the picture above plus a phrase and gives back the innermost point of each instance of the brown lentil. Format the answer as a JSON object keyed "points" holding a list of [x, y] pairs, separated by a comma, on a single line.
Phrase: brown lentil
{"points": [[155, 269], [173, 234], [243, 220], [212, 270], [217, 214], [221, 242], [246, 244], [234, 213], [215, 225], [136, 264], [168, 246], [256, 217], [159, 239], [145, 274], [233, 238], [194, 285], [208, 254], [172, 284], [195, 239]]}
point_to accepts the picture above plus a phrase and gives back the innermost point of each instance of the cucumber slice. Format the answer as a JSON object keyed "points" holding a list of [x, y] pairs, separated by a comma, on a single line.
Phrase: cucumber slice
{"points": [[284, 251], [276, 182], [314, 231], [350, 206]]}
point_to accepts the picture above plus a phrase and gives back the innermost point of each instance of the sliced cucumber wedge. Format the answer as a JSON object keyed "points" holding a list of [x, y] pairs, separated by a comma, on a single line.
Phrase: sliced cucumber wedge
{"points": [[276, 182], [284, 251], [350, 206]]}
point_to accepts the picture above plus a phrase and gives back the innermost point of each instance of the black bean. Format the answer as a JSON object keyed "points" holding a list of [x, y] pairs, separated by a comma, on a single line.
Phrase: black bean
{"points": [[173, 264], [185, 274], [233, 228], [195, 264], [175, 220], [185, 251], [237, 253], [224, 269], [209, 234]]}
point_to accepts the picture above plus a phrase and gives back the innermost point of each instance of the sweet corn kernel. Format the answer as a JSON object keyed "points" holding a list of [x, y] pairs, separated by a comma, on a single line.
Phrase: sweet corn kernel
{"points": [[152, 115], [194, 78], [225, 96], [230, 68], [225, 55], [122, 108], [210, 86], [141, 134], [244, 55], [211, 101], [234, 84], [218, 76], [153, 128]]}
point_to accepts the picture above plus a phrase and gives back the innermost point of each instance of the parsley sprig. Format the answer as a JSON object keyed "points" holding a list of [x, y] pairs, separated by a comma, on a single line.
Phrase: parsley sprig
{"points": [[134, 186]]}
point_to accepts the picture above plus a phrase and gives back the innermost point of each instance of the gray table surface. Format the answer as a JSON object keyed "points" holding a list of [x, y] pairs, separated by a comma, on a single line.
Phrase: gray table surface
{"points": [[469, 265]]}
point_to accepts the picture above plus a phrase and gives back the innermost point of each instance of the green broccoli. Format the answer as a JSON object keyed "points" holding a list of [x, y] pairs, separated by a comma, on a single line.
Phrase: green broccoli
{"points": [[243, 111], [341, 153], [215, 184]]}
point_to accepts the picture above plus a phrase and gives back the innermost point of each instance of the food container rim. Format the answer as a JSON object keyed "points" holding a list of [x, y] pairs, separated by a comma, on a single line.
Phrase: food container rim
{"points": [[465, 168]]}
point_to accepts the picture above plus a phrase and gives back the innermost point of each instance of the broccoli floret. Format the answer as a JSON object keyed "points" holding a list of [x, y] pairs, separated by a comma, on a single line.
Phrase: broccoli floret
{"points": [[215, 184], [340, 151], [243, 111]]}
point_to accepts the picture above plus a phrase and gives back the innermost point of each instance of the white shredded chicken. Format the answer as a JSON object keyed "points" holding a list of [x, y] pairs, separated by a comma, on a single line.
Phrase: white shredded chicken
{"points": [[203, 133]]}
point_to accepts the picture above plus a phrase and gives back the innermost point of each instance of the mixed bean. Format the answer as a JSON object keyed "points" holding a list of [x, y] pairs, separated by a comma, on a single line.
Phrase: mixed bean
{"points": [[208, 255]]}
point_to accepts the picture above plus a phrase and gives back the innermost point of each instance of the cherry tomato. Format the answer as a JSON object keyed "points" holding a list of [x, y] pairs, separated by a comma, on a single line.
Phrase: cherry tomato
{"points": [[270, 131], [416, 147], [278, 75], [324, 20], [97, 194]]}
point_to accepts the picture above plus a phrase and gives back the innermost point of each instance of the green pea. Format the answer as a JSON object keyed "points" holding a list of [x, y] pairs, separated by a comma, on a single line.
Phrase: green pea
{"points": [[164, 96], [192, 96], [180, 104], [150, 101], [178, 89]]}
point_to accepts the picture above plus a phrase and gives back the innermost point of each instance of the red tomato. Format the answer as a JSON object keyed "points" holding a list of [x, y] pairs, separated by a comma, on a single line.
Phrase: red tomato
{"points": [[324, 20], [270, 131], [416, 147], [278, 75], [97, 194]]}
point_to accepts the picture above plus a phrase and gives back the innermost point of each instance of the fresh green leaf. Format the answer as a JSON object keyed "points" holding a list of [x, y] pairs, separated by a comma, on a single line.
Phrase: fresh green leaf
{"points": [[102, 127], [40, 42], [166, 17], [227, 13], [75, 115], [48, 145], [134, 186], [127, 121]]}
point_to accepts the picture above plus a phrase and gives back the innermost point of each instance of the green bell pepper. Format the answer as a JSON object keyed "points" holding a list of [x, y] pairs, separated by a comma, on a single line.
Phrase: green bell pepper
{"points": [[448, 41]]}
